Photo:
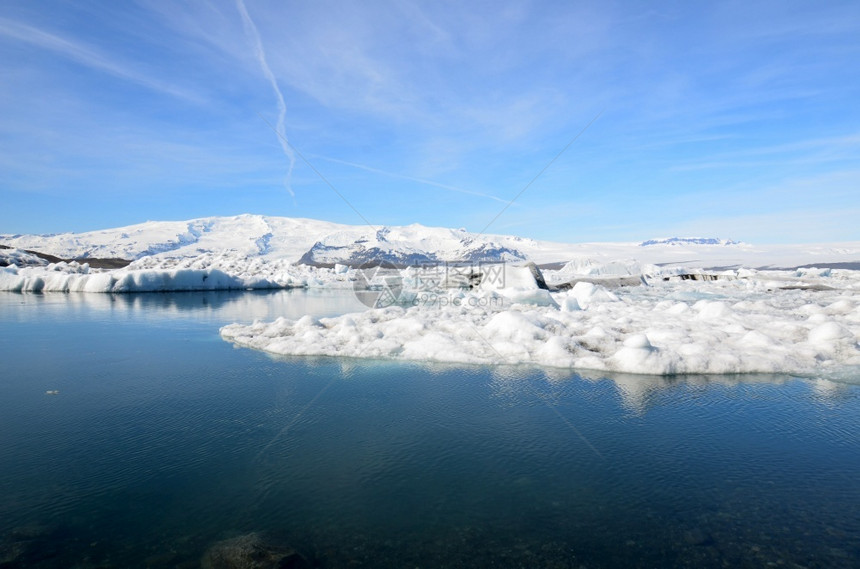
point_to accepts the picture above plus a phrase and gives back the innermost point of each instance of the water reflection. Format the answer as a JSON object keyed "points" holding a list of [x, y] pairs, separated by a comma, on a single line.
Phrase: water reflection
{"points": [[223, 306], [828, 391], [638, 392], [159, 445]]}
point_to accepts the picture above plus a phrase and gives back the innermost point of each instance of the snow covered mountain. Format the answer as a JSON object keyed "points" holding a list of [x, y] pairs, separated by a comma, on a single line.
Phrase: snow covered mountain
{"points": [[411, 245], [322, 243], [304, 241], [248, 235]]}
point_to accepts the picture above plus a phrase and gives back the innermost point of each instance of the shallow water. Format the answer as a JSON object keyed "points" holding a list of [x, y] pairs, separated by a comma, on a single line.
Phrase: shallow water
{"points": [[164, 439]]}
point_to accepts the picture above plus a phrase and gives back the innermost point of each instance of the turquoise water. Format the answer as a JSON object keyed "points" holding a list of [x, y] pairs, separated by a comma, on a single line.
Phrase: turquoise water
{"points": [[162, 439]]}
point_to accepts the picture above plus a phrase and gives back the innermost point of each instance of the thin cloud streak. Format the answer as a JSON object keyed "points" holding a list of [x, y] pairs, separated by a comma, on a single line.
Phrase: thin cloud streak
{"points": [[89, 57], [412, 179], [814, 151], [280, 129]]}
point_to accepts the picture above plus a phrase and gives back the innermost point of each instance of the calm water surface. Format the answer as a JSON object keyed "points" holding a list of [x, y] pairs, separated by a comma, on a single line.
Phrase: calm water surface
{"points": [[163, 440]]}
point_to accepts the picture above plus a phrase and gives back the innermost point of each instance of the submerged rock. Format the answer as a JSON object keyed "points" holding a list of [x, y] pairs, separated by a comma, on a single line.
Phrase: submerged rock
{"points": [[251, 552], [698, 537], [11, 553]]}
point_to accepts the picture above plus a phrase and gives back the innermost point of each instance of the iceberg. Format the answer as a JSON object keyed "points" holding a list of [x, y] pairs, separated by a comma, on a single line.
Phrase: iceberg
{"points": [[124, 281], [671, 327]]}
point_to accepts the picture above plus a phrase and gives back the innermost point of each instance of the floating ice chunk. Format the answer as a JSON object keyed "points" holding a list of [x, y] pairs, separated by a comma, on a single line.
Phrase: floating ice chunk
{"points": [[307, 321], [818, 318], [753, 338], [639, 342], [209, 271], [592, 267], [679, 308], [712, 310], [538, 297], [514, 326], [843, 306], [810, 309], [341, 269], [829, 333], [557, 351], [506, 276], [587, 294], [434, 346], [812, 272], [597, 332], [637, 355], [570, 304], [122, 281], [518, 283]]}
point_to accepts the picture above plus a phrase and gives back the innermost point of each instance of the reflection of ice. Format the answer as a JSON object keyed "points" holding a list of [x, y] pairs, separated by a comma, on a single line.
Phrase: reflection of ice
{"points": [[636, 391], [219, 306], [825, 388], [829, 391]]}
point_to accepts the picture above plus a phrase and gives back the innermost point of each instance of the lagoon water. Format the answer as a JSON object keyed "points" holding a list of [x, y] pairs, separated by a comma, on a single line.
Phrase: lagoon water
{"points": [[162, 439]]}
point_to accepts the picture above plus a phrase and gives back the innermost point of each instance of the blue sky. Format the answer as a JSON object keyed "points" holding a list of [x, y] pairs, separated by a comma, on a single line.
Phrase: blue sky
{"points": [[728, 119]]}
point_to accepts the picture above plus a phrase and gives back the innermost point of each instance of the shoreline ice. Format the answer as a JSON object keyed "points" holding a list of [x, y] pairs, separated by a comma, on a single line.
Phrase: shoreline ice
{"points": [[205, 272]]}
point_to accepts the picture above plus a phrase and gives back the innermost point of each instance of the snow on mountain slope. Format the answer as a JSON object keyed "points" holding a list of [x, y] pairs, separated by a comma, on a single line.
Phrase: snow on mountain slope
{"points": [[254, 235], [411, 245], [293, 239], [324, 243], [688, 241]]}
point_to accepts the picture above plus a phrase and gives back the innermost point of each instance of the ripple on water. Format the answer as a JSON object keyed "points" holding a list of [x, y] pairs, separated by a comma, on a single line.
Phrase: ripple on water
{"points": [[170, 443]]}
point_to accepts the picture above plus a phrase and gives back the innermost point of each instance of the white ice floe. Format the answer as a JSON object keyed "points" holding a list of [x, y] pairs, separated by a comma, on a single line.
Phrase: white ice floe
{"points": [[745, 325], [120, 281], [208, 271], [517, 283], [584, 266]]}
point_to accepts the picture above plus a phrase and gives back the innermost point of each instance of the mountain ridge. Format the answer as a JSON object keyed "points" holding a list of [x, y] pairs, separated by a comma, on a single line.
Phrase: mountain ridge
{"points": [[324, 243]]}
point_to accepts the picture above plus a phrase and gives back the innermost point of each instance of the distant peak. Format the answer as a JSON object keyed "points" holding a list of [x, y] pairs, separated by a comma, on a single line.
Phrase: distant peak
{"points": [[689, 241]]}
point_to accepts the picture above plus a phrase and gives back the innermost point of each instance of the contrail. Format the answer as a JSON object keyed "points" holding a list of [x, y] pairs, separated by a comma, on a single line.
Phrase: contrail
{"points": [[251, 30]]}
